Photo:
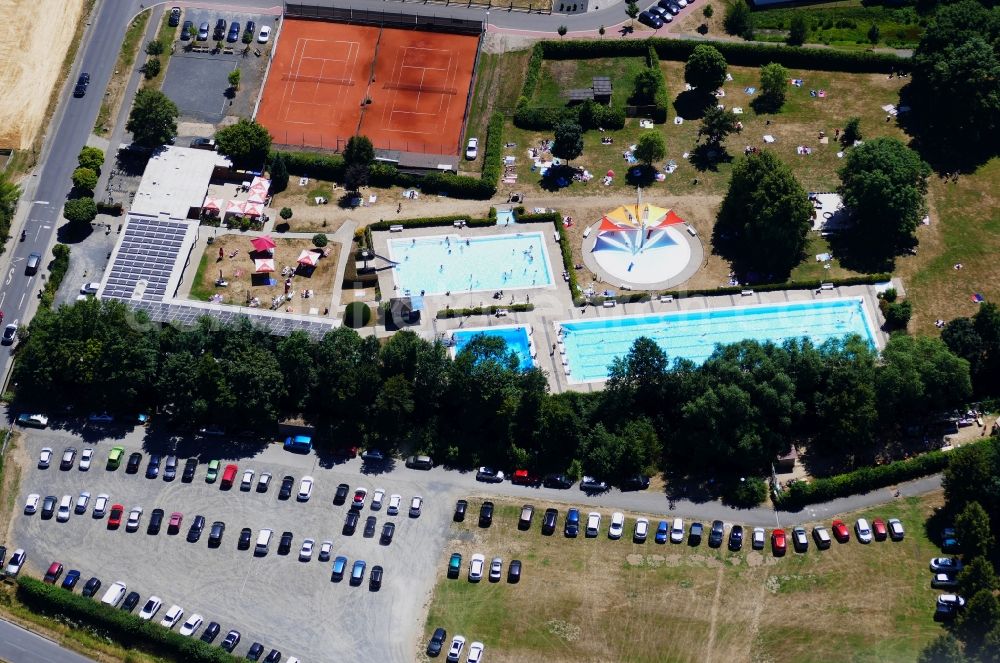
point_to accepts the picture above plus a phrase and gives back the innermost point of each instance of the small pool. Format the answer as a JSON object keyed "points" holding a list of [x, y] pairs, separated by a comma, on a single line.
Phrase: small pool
{"points": [[589, 346], [442, 264], [518, 338]]}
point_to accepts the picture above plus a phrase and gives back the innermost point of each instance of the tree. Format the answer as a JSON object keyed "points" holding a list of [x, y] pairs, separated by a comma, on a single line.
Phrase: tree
{"points": [[285, 213], [234, 79], [977, 575], [568, 143], [707, 11], [152, 68], [650, 147], [80, 211], [154, 47], [919, 375], [883, 184], [561, 30], [359, 150], [85, 179], [646, 85], [945, 649], [852, 132], [320, 240], [153, 119], [981, 615], [601, 31], [91, 157], [874, 34], [705, 69], [773, 85], [738, 20], [279, 173], [631, 9], [355, 176], [717, 124], [767, 215], [797, 30], [973, 529], [971, 476], [246, 143]]}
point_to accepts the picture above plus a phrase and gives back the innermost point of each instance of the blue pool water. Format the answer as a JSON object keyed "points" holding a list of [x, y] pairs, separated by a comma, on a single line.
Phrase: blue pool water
{"points": [[591, 345], [516, 338], [450, 263]]}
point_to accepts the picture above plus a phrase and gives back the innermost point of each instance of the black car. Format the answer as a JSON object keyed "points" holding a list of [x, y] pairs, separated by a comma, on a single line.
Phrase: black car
{"points": [[636, 482], [524, 521], [351, 522], [286, 487], [211, 632], [175, 17], [715, 536], [153, 469], [251, 28], [234, 31], [514, 571], [81, 85], [132, 600], [460, 507], [190, 467], [341, 495], [736, 537], [661, 13], [68, 459], [549, 522], [694, 534], [592, 485], [220, 29], [489, 475], [244, 541], [375, 578], [197, 527], [187, 30], [557, 481], [155, 522], [370, 525], [486, 514], [215, 534], [436, 642], [92, 586], [387, 532], [274, 656], [170, 468], [285, 544], [231, 640], [49, 506], [256, 649], [134, 461], [651, 20]]}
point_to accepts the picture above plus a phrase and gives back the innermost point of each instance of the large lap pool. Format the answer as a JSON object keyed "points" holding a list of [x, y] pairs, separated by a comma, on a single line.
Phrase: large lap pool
{"points": [[442, 264], [517, 337], [589, 346]]}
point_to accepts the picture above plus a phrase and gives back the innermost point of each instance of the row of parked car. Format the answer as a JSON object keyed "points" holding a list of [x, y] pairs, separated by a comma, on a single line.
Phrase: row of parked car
{"points": [[662, 12], [588, 484], [118, 596], [477, 568], [456, 649]]}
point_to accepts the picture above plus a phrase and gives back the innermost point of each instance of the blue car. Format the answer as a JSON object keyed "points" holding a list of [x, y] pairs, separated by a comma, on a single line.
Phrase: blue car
{"points": [[69, 582], [358, 572], [572, 527], [339, 564], [662, 531]]}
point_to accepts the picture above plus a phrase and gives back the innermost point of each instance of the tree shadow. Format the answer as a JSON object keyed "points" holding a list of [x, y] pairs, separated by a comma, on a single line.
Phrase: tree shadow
{"points": [[765, 105], [74, 233], [557, 178], [860, 253], [691, 105], [707, 156], [944, 152], [642, 175]]}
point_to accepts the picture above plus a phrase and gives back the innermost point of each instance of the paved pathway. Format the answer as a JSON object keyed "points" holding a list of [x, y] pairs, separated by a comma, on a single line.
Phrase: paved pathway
{"points": [[19, 645]]}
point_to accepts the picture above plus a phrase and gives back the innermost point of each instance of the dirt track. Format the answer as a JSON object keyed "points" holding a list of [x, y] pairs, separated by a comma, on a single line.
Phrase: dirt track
{"points": [[30, 59]]}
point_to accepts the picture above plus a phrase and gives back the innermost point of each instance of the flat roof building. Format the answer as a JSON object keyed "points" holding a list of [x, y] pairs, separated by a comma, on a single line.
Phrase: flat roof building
{"points": [[176, 181]]}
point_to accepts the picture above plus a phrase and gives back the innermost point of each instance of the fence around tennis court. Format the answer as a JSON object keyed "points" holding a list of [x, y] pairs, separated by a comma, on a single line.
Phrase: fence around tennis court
{"points": [[387, 19]]}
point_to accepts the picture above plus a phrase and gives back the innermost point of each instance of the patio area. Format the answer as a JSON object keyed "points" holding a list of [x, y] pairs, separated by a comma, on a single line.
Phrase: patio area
{"points": [[240, 205]]}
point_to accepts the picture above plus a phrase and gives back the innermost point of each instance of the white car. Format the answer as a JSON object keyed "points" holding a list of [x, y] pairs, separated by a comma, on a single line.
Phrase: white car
{"points": [[101, 505], [247, 480], [377, 498], [944, 581], [174, 615], [306, 552], [16, 562], [33, 420], [325, 549], [82, 501], [641, 530], [415, 506], [946, 565], [677, 531], [86, 457], [360, 495], [90, 288], [862, 529], [455, 651], [263, 482], [115, 594], [31, 504], [62, 515], [476, 566], [593, 523], [617, 525], [757, 538], [264, 34], [45, 457], [151, 608], [305, 489], [476, 652], [896, 531], [472, 149], [394, 501], [134, 516], [496, 569], [191, 625]]}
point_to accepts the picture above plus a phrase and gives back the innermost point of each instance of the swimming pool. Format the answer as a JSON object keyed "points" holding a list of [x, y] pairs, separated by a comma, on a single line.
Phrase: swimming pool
{"points": [[442, 264], [518, 338], [589, 346]]}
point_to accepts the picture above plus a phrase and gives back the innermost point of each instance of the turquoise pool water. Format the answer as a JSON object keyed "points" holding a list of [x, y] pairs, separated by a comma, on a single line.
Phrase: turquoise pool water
{"points": [[441, 264], [591, 345], [516, 337]]}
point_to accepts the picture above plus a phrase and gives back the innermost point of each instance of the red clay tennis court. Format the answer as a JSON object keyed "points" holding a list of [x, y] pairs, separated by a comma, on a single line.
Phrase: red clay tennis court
{"points": [[322, 72]]}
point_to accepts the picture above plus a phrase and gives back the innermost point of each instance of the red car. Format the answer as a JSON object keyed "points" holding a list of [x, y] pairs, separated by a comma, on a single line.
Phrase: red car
{"points": [[115, 519], [778, 543], [52, 575], [840, 531], [878, 527], [174, 524], [525, 478]]}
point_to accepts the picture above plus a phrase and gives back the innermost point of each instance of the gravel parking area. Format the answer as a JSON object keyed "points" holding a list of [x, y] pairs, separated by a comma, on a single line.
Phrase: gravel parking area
{"points": [[276, 600]]}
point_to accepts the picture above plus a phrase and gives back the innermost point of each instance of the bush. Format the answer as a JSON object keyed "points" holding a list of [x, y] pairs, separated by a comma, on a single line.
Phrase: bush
{"points": [[57, 271], [787, 285], [85, 179], [745, 493], [285, 213], [448, 312], [432, 221], [897, 314], [316, 166], [152, 68], [493, 152], [357, 315], [114, 209], [80, 211], [155, 47], [320, 240], [91, 157]]}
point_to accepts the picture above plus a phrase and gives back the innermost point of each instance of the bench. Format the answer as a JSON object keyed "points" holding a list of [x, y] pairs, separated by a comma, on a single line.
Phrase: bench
{"points": [[746, 293], [826, 286], [691, 230], [396, 228], [666, 299], [609, 303], [458, 223]]}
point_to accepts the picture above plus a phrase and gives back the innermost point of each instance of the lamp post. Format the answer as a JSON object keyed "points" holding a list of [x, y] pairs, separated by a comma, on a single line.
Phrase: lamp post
{"points": [[487, 20]]}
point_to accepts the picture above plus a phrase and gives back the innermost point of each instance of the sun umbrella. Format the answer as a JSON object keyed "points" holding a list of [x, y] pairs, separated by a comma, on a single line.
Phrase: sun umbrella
{"points": [[235, 207], [263, 265], [212, 204], [264, 243], [253, 209], [611, 173], [258, 189], [307, 258]]}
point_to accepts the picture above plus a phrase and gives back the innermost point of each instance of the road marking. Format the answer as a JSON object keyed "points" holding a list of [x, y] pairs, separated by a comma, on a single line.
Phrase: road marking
{"points": [[40, 202], [10, 276], [21, 303]]}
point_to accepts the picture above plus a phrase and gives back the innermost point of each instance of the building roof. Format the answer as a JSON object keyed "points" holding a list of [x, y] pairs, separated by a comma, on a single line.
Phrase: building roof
{"points": [[147, 261], [175, 180]]}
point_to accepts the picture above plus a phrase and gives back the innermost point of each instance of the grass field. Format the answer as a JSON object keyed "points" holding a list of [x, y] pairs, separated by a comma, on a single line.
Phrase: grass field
{"points": [[844, 25], [558, 76], [602, 600], [131, 45]]}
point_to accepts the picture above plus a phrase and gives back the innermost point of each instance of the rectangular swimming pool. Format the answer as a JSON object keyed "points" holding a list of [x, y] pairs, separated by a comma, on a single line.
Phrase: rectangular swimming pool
{"points": [[442, 264], [517, 337], [589, 346]]}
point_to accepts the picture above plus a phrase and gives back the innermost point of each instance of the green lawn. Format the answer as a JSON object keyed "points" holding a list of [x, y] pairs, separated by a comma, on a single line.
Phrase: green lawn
{"points": [[843, 25], [558, 76], [602, 600]]}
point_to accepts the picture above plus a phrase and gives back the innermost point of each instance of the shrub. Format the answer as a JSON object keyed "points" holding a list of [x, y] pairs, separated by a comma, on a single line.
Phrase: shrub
{"points": [[357, 315], [91, 157], [897, 314], [745, 493], [85, 179], [80, 211], [320, 240], [449, 312], [493, 152], [432, 221], [154, 47], [152, 68], [285, 213], [57, 271]]}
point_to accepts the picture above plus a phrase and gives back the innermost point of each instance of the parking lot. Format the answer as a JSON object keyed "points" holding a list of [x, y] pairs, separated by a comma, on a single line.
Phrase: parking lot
{"points": [[276, 599], [198, 82]]}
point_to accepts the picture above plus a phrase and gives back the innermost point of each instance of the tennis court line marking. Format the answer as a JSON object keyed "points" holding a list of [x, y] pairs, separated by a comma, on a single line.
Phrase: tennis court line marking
{"points": [[299, 55], [444, 102]]}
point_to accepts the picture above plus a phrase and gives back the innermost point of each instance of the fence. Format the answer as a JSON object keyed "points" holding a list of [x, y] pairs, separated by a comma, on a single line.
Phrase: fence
{"points": [[306, 141], [432, 23]]}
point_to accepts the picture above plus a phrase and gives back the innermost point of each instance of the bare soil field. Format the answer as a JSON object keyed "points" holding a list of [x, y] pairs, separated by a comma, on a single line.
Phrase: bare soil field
{"points": [[31, 57]]}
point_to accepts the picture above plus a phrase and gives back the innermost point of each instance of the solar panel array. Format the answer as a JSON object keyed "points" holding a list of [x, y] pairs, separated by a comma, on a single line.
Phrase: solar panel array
{"points": [[186, 315], [146, 257]]}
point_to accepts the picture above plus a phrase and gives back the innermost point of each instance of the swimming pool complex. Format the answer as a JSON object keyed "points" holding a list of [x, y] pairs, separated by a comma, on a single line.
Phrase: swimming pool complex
{"points": [[442, 264], [589, 346], [517, 337]]}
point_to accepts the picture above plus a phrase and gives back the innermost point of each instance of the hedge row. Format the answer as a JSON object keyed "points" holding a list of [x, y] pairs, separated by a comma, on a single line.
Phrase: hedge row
{"points": [[532, 74], [310, 164], [122, 627], [493, 152], [432, 221], [661, 102], [799, 493], [867, 279], [57, 272], [482, 310]]}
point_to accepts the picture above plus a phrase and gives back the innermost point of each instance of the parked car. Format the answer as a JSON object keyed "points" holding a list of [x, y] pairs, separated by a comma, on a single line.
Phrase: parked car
{"points": [[305, 489], [306, 551], [717, 533], [593, 524], [662, 532], [151, 607], [460, 507], [101, 505], [211, 632], [840, 531], [215, 534], [243, 543], [653, 21], [16, 562], [896, 531], [635, 482], [822, 537], [68, 459], [153, 468], [736, 538], [231, 640], [454, 565], [378, 499], [375, 578], [247, 481], [946, 565], [190, 467], [360, 495], [592, 485], [947, 606], [33, 420], [62, 514], [617, 525], [641, 530], [489, 475], [173, 616], [557, 481], [863, 530], [778, 543], [572, 525], [170, 468], [187, 30], [374, 456], [757, 538], [496, 569], [285, 543], [949, 541], [69, 582], [420, 462], [436, 643], [677, 531], [175, 17], [358, 572], [285, 490], [340, 496], [486, 514], [455, 651], [264, 34], [203, 31], [944, 581], [337, 569], [134, 518], [476, 652], [115, 516], [130, 602], [213, 471], [415, 505], [388, 530], [879, 529], [394, 501], [134, 461], [472, 149], [527, 513], [476, 567], [370, 526], [115, 593], [81, 502], [192, 624], [78, 91], [44, 458], [86, 457], [525, 478], [54, 573], [351, 523], [31, 504], [234, 32], [197, 527], [549, 521]]}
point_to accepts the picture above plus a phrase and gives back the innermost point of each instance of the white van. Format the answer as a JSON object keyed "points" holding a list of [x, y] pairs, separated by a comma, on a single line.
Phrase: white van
{"points": [[677, 531], [115, 594], [593, 524], [263, 541], [64, 506]]}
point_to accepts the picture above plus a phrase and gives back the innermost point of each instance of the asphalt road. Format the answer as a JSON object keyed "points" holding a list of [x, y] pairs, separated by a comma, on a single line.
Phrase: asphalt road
{"points": [[18, 645]]}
